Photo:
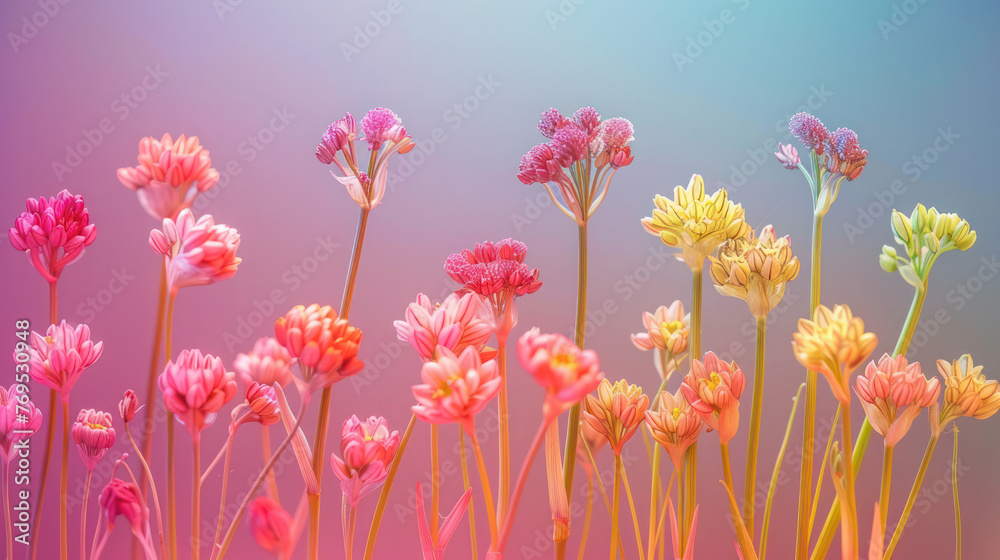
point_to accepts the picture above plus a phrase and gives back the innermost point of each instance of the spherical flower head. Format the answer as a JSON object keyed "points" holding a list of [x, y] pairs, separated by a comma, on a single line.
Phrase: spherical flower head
{"points": [[667, 329], [893, 392], [616, 133], [197, 252], [262, 401], [195, 387], [460, 321], [367, 449], [381, 125], [570, 144], [455, 388], [713, 388], [810, 131], [550, 122], [674, 424], [834, 343], [19, 420], [325, 345], [170, 174], [53, 232], [93, 435], [788, 156], [694, 222], [337, 136], [844, 154], [588, 119], [967, 392], [616, 411], [124, 498], [537, 166], [270, 525], [566, 372], [755, 269], [128, 406], [58, 359], [268, 363]]}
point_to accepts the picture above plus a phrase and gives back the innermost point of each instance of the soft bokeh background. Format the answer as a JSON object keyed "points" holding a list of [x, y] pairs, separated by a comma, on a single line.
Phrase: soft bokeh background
{"points": [[901, 74]]}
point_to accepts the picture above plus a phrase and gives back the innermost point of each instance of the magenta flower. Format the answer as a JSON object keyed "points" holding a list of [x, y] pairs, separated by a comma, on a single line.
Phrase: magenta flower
{"points": [[338, 136], [268, 363], [455, 388], [169, 175], [19, 420], [59, 358], [788, 156], [128, 406], [713, 389], [261, 405], [460, 321], [844, 154], [53, 232], [367, 449], [195, 387], [197, 253], [94, 435], [270, 525], [566, 372], [124, 498], [893, 392], [810, 131]]}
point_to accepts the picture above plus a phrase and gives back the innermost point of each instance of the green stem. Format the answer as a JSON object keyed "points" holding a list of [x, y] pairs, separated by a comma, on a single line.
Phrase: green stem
{"points": [[614, 506], [958, 508], [572, 430], [914, 492], [883, 496], [750, 484], [383, 497]]}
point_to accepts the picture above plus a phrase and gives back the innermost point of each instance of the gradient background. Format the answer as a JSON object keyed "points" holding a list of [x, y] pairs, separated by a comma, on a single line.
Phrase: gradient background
{"points": [[227, 72]]}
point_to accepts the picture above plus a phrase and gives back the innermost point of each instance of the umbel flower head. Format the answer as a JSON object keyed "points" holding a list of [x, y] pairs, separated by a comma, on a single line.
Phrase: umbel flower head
{"points": [[893, 392], [170, 174], [455, 388], [195, 387], [755, 269], [834, 343], [566, 372], [270, 525], [268, 363], [94, 435], [325, 345], [694, 222], [19, 420], [460, 321], [197, 253], [367, 449], [53, 232], [925, 235], [967, 392], [616, 411], [674, 424], [713, 388], [58, 359]]}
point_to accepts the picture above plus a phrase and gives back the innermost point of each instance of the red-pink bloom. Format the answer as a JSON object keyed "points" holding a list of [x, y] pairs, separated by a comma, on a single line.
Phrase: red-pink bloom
{"points": [[844, 154], [674, 424], [667, 329], [169, 175], [550, 122], [570, 144], [537, 166], [325, 345], [93, 435], [197, 253], [128, 406], [262, 403], [893, 392], [566, 372], [616, 411], [338, 136], [195, 387], [124, 498], [53, 232], [713, 388], [270, 525], [19, 420], [810, 131], [367, 449], [268, 363], [458, 322], [57, 359], [788, 156], [455, 388]]}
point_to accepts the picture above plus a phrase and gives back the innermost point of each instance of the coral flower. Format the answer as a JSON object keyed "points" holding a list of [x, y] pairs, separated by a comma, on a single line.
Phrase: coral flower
{"points": [[755, 269], [458, 322], [674, 424], [367, 449], [695, 222], [810, 131], [455, 388], [93, 435], [268, 363], [270, 525], [565, 371], [325, 345], [262, 404], [967, 392], [893, 392], [59, 358], [19, 420], [53, 232], [195, 387], [124, 498], [170, 174], [128, 406], [667, 329], [616, 411], [713, 388], [833, 343], [197, 253], [788, 156]]}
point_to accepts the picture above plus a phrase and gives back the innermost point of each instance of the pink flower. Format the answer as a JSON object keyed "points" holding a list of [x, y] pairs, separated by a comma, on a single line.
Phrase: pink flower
{"points": [[128, 406], [788, 156], [325, 345], [713, 388], [338, 136], [169, 175], [59, 358], [49, 225], [458, 322], [551, 121], [570, 144], [368, 449], [262, 403], [566, 372], [810, 131], [19, 420], [381, 125], [124, 498], [455, 388], [588, 119], [844, 154], [674, 424], [197, 253], [93, 435], [616, 134], [268, 363], [616, 412], [893, 392], [195, 387], [667, 329], [537, 166], [270, 525]]}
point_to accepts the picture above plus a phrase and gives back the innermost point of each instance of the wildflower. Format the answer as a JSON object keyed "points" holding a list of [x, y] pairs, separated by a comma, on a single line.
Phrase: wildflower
{"points": [[455, 388], [616, 411], [19, 420], [755, 269], [94, 435], [674, 424], [458, 322], [268, 363], [367, 449], [270, 525], [195, 387], [53, 232], [197, 253], [58, 359], [833, 343], [925, 235], [325, 345], [170, 174], [713, 389], [967, 392], [893, 392], [565, 371]]}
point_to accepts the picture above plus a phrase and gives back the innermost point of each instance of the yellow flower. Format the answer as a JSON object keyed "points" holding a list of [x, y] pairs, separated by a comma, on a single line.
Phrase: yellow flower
{"points": [[925, 235], [833, 343], [967, 392], [616, 411], [755, 269], [694, 222]]}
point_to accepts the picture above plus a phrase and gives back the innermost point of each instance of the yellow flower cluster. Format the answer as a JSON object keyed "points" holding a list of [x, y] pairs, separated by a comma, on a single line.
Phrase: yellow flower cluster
{"points": [[755, 269]]}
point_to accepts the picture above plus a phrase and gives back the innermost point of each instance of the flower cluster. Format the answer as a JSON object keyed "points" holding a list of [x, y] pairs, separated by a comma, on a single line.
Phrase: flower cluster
{"points": [[197, 252], [268, 363], [195, 387], [58, 359], [53, 232], [455, 387], [893, 392], [93, 435], [967, 392], [925, 235], [616, 412], [460, 321], [367, 449], [324, 345], [755, 269], [674, 424], [170, 174], [713, 389], [833, 343]]}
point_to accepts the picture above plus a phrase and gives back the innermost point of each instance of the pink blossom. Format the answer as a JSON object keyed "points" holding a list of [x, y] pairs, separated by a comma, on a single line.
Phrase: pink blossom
{"points": [[325, 345], [268, 363], [788, 156], [566, 372], [197, 253], [94, 435], [713, 389], [810, 131], [338, 136], [19, 420], [262, 404], [270, 525], [458, 322], [551, 121], [588, 119], [128, 406], [844, 154], [124, 498], [455, 388], [537, 166], [53, 232], [616, 134], [169, 175], [570, 144], [893, 392], [59, 358], [195, 387], [367, 449]]}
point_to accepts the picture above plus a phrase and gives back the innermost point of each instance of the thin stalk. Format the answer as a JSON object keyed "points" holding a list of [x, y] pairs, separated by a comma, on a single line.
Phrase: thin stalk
{"points": [[572, 430], [762, 549], [484, 480], [604, 493], [635, 518], [654, 493], [914, 492], [154, 369], [171, 474], [694, 352], [847, 435], [522, 478], [265, 443], [7, 527], [152, 487], [741, 533], [465, 486], [225, 486], [50, 435], [691, 481], [64, 484], [504, 489], [383, 496], [350, 515], [435, 484], [83, 517], [883, 496], [750, 483], [587, 514], [196, 497], [681, 505], [614, 506], [954, 489]]}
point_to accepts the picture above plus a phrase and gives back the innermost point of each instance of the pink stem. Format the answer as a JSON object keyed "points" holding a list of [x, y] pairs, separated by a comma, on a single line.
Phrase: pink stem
{"points": [[522, 478], [83, 516]]}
